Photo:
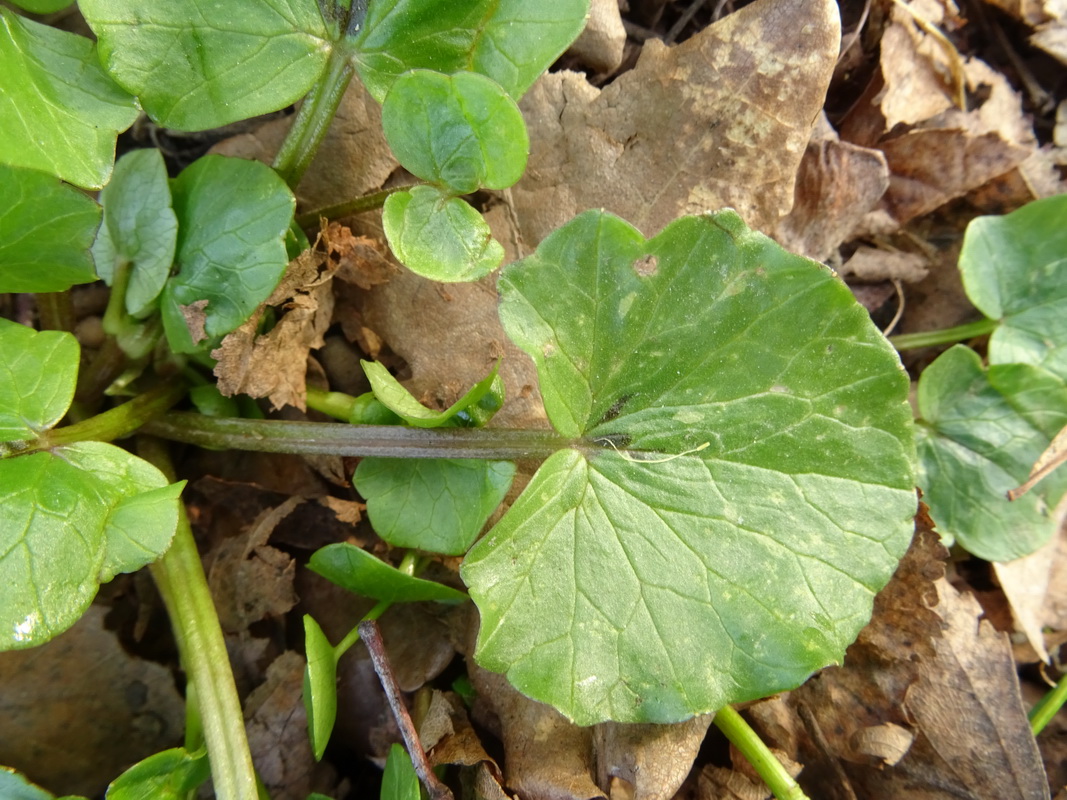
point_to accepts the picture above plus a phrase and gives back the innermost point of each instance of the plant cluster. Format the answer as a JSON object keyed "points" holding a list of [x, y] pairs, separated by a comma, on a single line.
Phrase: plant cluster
{"points": [[725, 415]]}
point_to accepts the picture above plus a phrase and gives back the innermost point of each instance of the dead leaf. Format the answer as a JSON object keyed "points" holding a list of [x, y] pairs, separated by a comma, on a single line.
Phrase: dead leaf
{"points": [[652, 759], [719, 120], [877, 264], [195, 320], [915, 67], [79, 710], [1053, 457], [722, 783], [601, 44]]}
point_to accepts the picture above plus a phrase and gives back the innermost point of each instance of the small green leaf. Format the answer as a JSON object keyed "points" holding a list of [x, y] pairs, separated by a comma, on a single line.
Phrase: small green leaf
{"points": [[195, 67], [59, 112], [169, 775], [38, 372], [46, 229], [1014, 269], [68, 520], [15, 786], [432, 504], [399, 781], [439, 237], [510, 41], [753, 491], [233, 217], [361, 573], [399, 400], [320, 686], [974, 446], [139, 228], [459, 131]]}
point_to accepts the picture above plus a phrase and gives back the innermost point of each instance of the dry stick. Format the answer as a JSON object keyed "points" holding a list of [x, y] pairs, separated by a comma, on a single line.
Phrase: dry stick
{"points": [[372, 637]]}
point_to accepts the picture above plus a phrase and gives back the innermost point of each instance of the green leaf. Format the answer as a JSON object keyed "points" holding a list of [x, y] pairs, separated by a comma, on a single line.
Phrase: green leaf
{"points": [[68, 519], [438, 236], [42, 6], [399, 781], [139, 228], [59, 112], [434, 504], [1014, 269], [233, 216], [15, 786], [974, 446], [459, 131], [195, 67], [169, 775], [361, 573], [510, 41], [399, 400], [746, 488], [46, 229], [320, 686], [38, 372]]}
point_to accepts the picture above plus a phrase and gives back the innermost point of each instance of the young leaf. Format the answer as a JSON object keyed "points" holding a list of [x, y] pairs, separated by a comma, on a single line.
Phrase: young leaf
{"points": [[399, 400], [46, 229], [439, 236], [399, 781], [361, 573], [170, 775], [438, 505], [761, 494], [1014, 269], [40, 370], [59, 112], [233, 216], [974, 446], [459, 131], [320, 686], [510, 41], [195, 67], [139, 228]]}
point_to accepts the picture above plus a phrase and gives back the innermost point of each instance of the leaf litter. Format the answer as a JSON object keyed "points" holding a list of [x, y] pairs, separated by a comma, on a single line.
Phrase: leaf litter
{"points": [[879, 184]]}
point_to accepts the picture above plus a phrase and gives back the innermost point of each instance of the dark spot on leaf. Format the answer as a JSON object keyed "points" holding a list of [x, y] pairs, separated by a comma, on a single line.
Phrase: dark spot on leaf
{"points": [[615, 410], [646, 266], [615, 441]]}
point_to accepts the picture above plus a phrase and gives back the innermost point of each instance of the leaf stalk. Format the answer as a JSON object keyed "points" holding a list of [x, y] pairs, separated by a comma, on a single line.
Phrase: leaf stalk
{"points": [[768, 767], [960, 333]]}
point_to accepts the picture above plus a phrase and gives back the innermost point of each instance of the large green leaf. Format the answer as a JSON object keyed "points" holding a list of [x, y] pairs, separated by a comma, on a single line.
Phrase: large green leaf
{"points": [[979, 434], [196, 65], [59, 111], [745, 488], [1014, 269], [139, 230], [460, 131], [510, 41], [66, 520], [439, 236], [233, 216], [46, 229], [38, 372]]}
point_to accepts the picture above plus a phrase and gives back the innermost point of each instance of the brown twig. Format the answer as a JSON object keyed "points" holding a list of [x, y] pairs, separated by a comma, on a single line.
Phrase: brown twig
{"points": [[372, 637]]}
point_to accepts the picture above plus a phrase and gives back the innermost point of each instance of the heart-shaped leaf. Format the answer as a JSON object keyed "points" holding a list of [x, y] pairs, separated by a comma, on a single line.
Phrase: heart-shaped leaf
{"points": [[40, 370], [59, 111], [195, 67], [745, 485], [460, 131]]}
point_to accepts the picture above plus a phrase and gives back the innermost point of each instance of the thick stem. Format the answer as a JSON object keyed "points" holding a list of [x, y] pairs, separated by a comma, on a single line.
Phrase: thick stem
{"points": [[180, 577], [367, 202], [768, 767], [119, 421], [960, 333], [312, 121], [388, 441]]}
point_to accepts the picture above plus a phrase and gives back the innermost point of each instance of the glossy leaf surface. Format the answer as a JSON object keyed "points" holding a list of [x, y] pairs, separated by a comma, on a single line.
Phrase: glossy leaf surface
{"points": [[59, 111], [510, 41], [233, 216], [46, 230], [320, 686], [748, 485], [40, 370], [461, 131], [439, 236], [399, 781], [170, 775], [361, 573], [195, 66]]}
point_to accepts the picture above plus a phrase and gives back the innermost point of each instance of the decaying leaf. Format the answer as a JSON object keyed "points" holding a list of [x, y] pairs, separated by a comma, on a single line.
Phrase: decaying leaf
{"points": [[601, 44], [652, 760]]}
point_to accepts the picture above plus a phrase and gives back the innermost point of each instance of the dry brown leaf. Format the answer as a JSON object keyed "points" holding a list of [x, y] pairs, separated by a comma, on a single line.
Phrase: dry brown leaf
{"points": [[719, 120], [653, 760], [722, 783], [876, 264], [601, 44], [915, 67], [79, 710]]}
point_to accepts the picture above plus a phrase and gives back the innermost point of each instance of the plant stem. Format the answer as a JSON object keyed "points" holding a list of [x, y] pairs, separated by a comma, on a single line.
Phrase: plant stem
{"points": [[119, 421], [1047, 707], [388, 441], [312, 121], [409, 566], [960, 333], [54, 311], [367, 202], [768, 767], [337, 404], [180, 577]]}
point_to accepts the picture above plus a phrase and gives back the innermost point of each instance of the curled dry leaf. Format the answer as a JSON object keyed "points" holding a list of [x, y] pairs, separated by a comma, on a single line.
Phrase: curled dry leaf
{"points": [[652, 760]]}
